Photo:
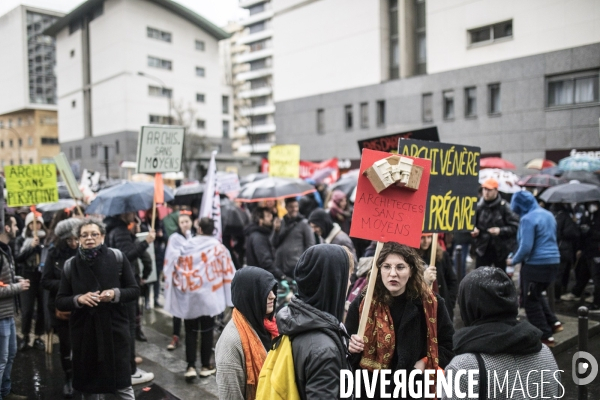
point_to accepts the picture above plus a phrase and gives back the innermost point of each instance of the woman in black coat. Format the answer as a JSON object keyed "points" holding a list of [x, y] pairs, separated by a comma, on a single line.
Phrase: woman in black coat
{"points": [[405, 310], [94, 285], [63, 247]]}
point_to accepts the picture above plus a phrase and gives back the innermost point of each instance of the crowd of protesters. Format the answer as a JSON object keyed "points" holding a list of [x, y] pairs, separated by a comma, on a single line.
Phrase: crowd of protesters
{"points": [[95, 273]]}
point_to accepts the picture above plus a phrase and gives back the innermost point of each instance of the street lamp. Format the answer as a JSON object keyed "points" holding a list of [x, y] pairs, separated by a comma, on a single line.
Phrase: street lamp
{"points": [[163, 87], [20, 141]]}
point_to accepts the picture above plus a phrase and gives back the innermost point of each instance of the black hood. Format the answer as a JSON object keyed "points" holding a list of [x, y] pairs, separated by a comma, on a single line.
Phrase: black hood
{"points": [[113, 222], [488, 304], [250, 288], [322, 219], [299, 317], [253, 227], [322, 277]]}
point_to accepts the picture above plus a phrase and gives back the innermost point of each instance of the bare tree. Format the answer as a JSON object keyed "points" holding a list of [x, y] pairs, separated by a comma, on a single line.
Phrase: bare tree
{"points": [[194, 143]]}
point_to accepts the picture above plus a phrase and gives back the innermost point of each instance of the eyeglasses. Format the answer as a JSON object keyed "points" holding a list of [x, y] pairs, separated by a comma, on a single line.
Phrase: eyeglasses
{"points": [[93, 235], [398, 268]]}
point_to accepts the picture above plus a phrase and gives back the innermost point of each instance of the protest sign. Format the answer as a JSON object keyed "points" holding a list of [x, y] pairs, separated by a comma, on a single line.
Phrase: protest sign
{"points": [[228, 182], [308, 169], [30, 184], [394, 215], [160, 149], [389, 143], [284, 161], [62, 164], [453, 184]]}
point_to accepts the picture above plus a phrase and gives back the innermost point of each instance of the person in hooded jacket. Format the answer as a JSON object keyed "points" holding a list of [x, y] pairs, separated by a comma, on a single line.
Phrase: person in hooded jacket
{"points": [[328, 231], [65, 246], [313, 319], [540, 258], [242, 348], [489, 308], [29, 250], [408, 326], [259, 251]]}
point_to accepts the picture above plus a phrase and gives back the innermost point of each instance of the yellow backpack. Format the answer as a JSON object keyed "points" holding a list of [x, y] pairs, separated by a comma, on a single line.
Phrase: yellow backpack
{"points": [[277, 379]]}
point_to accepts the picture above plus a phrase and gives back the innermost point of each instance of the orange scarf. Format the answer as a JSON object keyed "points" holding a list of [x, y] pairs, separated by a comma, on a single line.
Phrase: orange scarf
{"points": [[254, 352]]}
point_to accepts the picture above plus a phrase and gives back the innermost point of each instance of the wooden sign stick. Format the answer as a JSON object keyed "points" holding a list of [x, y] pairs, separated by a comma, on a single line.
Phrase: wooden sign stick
{"points": [[153, 212], [434, 244], [76, 200], [369, 296]]}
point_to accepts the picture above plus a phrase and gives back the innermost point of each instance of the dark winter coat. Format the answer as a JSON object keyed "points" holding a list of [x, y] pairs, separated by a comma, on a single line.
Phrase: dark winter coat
{"points": [[119, 237], [590, 234], [99, 335], [26, 257], [496, 213], [259, 251], [445, 277], [52, 272], [567, 235], [10, 287], [292, 239]]}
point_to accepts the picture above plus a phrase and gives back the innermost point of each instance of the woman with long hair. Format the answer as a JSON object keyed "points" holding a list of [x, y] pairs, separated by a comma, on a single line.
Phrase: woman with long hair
{"points": [[94, 287], [408, 326], [63, 247]]}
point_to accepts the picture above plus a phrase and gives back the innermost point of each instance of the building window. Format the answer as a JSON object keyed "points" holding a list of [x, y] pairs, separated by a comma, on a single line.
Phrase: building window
{"points": [[225, 104], [255, 9], [420, 38], [259, 101], [394, 47], [30, 141], [70, 153], [31, 162], [364, 115], [19, 121], [12, 162], [10, 123], [94, 150], [200, 97], [470, 102], [1, 144], [41, 57], [260, 45], [159, 63], [572, 89], [494, 98], [49, 141], [78, 152], [257, 27], [348, 117], [200, 71], [10, 143], [380, 112], [259, 83], [1, 124], [117, 148], [160, 92], [200, 124], [158, 34], [160, 119], [20, 142], [73, 104], [200, 45], [72, 53], [427, 104], [225, 129], [258, 64], [448, 104], [259, 120], [491, 33], [320, 121]]}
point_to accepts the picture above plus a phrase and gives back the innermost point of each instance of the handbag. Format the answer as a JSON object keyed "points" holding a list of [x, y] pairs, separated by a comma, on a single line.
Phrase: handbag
{"points": [[62, 315]]}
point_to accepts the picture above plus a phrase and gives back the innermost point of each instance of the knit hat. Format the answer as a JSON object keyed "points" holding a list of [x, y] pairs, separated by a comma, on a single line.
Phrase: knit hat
{"points": [[487, 294], [64, 229], [337, 196], [29, 219], [322, 219]]}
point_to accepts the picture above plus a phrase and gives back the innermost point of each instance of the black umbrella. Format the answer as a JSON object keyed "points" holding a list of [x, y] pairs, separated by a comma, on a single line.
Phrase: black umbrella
{"points": [[126, 197], [346, 183], [540, 180], [188, 195], [582, 176], [274, 188], [56, 206], [233, 218], [571, 193]]}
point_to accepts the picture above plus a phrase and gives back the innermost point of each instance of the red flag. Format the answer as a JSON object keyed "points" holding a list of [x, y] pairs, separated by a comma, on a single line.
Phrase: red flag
{"points": [[159, 189]]}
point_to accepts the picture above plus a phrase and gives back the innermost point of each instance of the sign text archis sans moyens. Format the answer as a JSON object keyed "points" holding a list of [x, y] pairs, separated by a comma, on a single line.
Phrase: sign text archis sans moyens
{"points": [[160, 149]]}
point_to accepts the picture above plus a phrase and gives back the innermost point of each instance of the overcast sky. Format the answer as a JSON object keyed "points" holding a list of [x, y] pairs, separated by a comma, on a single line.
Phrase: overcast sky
{"points": [[217, 11]]}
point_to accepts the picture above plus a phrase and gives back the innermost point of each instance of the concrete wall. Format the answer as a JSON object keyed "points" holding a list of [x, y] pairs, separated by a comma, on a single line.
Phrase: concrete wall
{"points": [[13, 68], [539, 26], [524, 129]]}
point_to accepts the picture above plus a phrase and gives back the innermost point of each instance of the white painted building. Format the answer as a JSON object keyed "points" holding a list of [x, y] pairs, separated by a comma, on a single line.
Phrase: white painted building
{"points": [[122, 64]]}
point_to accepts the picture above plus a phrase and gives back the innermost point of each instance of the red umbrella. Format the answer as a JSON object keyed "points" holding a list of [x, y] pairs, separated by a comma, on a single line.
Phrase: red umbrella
{"points": [[540, 163], [496, 162]]}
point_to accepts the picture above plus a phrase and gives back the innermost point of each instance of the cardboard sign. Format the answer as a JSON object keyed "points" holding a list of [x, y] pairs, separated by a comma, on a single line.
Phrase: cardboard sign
{"points": [[30, 184], [394, 215], [228, 182], [160, 149], [284, 161], [62, 164], [309, 168], [453, 184], [389, 143]]}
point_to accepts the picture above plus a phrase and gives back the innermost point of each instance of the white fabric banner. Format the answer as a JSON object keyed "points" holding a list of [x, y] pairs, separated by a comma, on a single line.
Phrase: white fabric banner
{"points": [[198, 274], [211, 204]]}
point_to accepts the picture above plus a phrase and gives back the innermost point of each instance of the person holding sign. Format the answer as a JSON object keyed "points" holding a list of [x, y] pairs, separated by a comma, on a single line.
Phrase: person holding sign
{"points": [[495, 228], [28, 250], [406, 309]]}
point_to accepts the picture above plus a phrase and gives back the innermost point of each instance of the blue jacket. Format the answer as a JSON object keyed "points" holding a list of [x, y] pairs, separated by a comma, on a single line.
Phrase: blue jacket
{"points": [[537, 232]]}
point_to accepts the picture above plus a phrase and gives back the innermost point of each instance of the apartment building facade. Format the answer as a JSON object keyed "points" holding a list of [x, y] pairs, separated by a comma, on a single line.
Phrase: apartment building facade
{"points": [[122, 64], [518, 79]]}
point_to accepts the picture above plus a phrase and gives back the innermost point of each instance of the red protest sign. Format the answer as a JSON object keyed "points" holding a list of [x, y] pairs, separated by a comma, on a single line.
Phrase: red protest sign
{"points": [[394, 215]]}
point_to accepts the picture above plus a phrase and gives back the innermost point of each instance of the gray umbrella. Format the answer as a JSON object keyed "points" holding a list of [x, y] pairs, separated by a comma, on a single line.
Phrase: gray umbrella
{"points": [[274, 188], [126, 197], [571, 193]]}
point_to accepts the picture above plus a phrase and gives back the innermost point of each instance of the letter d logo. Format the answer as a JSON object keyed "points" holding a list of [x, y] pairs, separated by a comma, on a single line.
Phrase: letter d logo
{"points": [[582, 367]]}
